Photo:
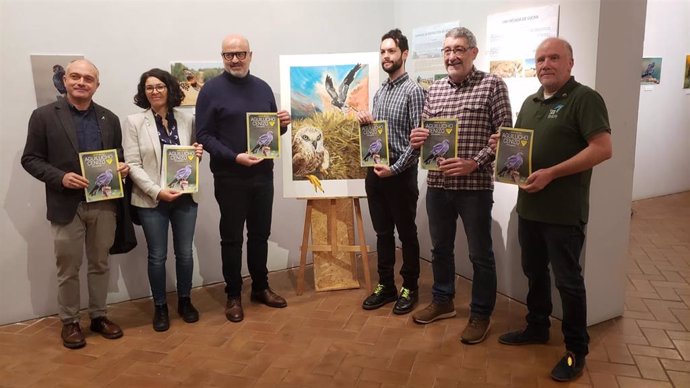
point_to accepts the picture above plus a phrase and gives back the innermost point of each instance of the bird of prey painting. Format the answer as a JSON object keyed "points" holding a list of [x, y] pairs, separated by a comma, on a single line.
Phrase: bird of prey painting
{"points": [[374, 149], [58, 81], [181, 175], [339, 97], [264, 140], [102, 180], [439, 150], [310, 158]]}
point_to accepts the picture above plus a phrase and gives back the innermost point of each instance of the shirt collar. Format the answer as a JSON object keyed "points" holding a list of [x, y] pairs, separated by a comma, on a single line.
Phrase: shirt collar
{"points": [[397, 81], [561, 93], [75, 110], [237, 80], [474, 73]]}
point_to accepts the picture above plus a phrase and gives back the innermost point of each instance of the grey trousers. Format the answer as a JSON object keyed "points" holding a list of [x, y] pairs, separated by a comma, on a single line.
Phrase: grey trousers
{"points": [[93, 226]]}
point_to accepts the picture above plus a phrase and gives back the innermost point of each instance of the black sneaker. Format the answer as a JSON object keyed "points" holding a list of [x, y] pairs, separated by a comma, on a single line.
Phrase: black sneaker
{"points": [[568, 368], [406, 301], [524, 337], [381, 296]]}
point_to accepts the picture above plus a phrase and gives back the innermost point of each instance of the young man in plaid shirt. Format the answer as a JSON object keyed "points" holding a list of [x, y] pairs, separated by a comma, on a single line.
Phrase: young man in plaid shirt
{"points": [[392, 190], [464, 185]]}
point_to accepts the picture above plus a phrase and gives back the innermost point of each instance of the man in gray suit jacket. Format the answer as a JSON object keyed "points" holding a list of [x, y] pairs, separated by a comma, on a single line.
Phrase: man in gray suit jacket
{"points": [[57, 133]]}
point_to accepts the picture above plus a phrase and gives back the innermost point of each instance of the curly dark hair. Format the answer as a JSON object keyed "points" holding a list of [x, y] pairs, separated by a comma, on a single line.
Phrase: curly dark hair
{"points": [[398, 37], [175, 94]]}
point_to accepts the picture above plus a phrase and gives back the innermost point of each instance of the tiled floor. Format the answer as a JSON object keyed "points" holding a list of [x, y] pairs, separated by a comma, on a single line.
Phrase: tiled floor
{"points": [[327, 340]]}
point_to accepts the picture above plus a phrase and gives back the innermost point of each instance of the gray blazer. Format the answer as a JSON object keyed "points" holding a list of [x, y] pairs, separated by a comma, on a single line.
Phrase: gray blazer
{"points": [[143, 151], [52, 150]]}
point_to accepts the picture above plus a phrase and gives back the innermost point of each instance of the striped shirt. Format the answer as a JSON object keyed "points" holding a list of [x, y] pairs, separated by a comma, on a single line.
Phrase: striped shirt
{"points": [[400, 103], [481, 105]]}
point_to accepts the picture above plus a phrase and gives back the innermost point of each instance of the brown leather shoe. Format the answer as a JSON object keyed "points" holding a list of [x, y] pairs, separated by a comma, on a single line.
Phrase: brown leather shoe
{"points": [[233, 309], [269, 298], [106, 328], [72, 337]]}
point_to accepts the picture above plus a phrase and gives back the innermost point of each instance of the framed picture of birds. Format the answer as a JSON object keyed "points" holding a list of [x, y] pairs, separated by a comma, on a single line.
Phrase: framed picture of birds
{"points": [[49, 73], [100, 169], [321, 153], [514, 155], [180, 170]]}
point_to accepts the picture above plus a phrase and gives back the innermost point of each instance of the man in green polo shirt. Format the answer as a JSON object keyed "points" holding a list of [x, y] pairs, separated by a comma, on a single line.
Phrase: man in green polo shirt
{"points": [[571, 135]]}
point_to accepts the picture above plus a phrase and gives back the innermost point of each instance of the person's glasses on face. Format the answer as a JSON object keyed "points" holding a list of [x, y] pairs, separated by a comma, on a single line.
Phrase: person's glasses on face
{"points": [[160, 88], [241, 55], [456, 51]]}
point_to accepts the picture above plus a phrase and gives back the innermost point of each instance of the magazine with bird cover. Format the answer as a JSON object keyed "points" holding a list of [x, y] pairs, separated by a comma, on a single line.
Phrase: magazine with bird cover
{"points": [[100, 168], [263, 135], [373, 144], [441, 144], [514, 155], [180, 169]]}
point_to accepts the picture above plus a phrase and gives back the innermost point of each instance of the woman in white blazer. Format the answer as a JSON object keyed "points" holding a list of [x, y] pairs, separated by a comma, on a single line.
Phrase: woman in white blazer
{"points": [[144, 135]]}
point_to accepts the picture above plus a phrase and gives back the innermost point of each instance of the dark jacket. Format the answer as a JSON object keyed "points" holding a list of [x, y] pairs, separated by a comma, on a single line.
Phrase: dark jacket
{"points": [[52, 150]]}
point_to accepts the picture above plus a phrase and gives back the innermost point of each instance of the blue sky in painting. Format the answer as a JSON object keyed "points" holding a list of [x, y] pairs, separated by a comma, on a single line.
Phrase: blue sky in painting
{"points": [[303, 79]]}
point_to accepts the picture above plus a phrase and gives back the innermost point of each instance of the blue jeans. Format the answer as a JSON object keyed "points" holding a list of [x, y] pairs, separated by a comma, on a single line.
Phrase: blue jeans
{"points": [[244, 200], [181, 214], [474, 208], [560, 245]]}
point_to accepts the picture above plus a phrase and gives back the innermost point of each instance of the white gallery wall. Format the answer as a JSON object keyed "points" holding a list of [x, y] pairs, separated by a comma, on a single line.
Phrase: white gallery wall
{"points": [[663, 128], [125, 38], [591, 35]]}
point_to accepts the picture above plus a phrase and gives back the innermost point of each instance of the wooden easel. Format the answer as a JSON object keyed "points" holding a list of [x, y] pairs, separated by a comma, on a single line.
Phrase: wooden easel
{"points": [[333, 246]]}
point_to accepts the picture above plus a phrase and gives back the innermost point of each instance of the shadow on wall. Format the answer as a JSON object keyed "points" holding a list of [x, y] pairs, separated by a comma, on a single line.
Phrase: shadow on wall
{"points": [[26, 210], [508, 260]]}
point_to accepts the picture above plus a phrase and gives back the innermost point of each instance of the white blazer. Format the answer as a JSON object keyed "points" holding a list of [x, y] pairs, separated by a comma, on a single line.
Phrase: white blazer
{"points": [[142, 148]]}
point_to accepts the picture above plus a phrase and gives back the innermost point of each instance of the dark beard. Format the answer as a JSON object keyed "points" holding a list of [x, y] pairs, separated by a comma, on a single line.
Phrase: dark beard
{"points": [[394, 68]]}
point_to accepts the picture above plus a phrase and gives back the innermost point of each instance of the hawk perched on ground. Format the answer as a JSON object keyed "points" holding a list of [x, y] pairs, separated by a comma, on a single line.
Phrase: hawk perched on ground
{"points": [[309, 156]]}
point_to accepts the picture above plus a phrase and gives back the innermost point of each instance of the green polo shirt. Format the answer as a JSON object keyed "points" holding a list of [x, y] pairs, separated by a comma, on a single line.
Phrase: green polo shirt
{"points": [[562, 124]]}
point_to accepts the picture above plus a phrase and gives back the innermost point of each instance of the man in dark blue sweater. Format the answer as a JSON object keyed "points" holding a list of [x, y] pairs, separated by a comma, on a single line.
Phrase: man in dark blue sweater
{"points": [[243, 183]]}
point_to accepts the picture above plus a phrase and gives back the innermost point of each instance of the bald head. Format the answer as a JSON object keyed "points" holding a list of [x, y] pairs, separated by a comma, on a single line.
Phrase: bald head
{"points": [[554, 61], [236, 55], [558, 41], [235, 39], [81, 82], [84, 62]]}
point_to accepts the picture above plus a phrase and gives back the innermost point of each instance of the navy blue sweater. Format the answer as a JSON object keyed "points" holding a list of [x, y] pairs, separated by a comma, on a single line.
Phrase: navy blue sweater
{"points": [[221, 119]]}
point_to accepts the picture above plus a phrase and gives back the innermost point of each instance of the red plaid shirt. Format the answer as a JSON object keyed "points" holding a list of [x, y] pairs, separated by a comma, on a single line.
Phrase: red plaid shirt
{"points": [[481, 105]]}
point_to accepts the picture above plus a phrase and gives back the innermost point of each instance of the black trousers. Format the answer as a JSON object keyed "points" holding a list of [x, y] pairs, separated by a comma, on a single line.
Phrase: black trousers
{"points": [[244, 200], [559, 245], [393, 205]]}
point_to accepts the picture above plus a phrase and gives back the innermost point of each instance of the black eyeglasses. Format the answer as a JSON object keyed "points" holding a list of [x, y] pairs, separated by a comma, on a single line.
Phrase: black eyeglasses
{"points": [[457, 51], [241, 55]]}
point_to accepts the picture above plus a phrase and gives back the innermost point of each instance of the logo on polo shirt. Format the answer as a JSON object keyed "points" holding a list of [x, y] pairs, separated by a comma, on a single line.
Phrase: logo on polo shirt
{"points": [[553, 113]]}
